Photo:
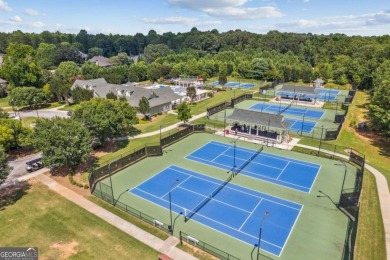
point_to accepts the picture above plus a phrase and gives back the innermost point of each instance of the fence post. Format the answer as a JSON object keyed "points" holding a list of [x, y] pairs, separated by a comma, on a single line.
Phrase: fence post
{"points": [[181, 239]]}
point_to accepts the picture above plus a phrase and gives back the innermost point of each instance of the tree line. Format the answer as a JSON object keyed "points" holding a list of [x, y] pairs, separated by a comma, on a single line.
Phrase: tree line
{"points": [[356, 60]]}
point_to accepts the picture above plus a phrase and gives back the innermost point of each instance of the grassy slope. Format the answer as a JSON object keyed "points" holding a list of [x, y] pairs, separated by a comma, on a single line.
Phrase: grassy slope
{"points": [[46, 220], [368, 245]]}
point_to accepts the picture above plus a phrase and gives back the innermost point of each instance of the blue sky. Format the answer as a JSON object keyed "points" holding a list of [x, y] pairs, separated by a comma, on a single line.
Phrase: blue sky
{"points": [[352, 17]]}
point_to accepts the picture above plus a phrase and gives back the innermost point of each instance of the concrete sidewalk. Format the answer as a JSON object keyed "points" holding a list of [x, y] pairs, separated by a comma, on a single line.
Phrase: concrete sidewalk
{"points": [[167, 247], [383, 193]]}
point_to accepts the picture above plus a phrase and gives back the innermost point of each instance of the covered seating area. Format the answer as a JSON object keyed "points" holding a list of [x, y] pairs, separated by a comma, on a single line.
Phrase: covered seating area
{"points": [[258, 124], [298, 93]]}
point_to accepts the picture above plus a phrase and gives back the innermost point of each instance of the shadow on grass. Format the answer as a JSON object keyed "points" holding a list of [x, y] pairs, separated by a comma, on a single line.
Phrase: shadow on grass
{"points": [[11, 192]]}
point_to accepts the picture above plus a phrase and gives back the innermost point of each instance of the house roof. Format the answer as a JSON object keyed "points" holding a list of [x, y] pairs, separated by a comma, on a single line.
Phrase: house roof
{"points": [[100, 61], [297, 89], [319, 81], [258, 118], [132, 93], [2, 81]]}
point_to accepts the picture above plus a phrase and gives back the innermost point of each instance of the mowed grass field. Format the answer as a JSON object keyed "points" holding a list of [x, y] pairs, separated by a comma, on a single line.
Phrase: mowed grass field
{"points": [[63, 230]]}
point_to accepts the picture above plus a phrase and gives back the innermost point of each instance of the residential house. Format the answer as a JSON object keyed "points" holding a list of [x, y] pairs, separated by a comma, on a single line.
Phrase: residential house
{"points": [[160, 100], [3, 84], [100, 61], [318, 83]]}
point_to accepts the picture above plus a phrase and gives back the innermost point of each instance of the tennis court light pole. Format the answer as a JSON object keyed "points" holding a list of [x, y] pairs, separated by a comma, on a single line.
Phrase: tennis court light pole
{"points": [[170, 205], [266, 214], [341, 163], [319, 147], [303, 121]]}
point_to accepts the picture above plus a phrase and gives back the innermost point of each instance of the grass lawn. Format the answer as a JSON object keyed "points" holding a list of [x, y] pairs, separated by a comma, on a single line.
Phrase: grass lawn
{"points": [[163, 120], [69, 107], [62, 230], [130, 218], [28, 121], [127, 147], [4, 101], [368, 246]]}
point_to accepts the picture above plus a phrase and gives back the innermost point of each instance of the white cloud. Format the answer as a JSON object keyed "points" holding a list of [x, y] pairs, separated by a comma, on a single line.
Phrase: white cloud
{"points": [[206, 4], [232, 9], [337, 23], [4, 6], [170, 20], [16, 19], [38, 24], [181, 21], [245, 13], [31, 12], [306, 1]]}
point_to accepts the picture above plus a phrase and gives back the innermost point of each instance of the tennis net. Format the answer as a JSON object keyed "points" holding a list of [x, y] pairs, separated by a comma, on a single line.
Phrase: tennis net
{"points": [[208, 198], [284, 109], [249, 160]]}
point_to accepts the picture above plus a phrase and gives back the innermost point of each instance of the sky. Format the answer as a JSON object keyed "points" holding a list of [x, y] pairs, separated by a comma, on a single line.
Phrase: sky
{"points": [[351, 17]]}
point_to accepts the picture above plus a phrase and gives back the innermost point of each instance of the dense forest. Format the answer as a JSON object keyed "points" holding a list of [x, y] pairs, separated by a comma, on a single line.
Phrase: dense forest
{"points": [[363, 62]]}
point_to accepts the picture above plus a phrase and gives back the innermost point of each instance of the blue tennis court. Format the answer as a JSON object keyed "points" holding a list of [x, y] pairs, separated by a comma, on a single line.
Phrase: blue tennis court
{"points": [[294, 174], [321, 95], [275, 109], [234, 210], [232, 84], [300, 125]]}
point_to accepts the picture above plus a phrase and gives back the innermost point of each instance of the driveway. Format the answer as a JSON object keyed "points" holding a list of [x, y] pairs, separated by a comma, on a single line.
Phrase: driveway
{"points": [[41, 113]]}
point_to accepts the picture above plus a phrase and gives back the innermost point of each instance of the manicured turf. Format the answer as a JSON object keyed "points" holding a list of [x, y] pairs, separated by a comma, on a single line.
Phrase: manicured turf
{"points": [[63, 230]]}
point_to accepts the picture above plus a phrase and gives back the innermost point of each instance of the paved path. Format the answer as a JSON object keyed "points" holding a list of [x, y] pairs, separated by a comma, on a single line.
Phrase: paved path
{"points": [[383, 193], [167, 247]]}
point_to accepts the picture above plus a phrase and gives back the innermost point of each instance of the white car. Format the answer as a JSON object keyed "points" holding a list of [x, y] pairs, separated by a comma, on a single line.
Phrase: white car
{"points": [[14, 117]]}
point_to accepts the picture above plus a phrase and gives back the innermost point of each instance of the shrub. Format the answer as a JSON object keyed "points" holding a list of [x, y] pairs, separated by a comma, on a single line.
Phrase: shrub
{"points": [[86, 186]]}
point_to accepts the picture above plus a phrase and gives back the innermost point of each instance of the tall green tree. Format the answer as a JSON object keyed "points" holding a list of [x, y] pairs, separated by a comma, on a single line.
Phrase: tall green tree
{"points": [[69, 69], [106, 118], [143, 106], [183, 112], [19, 66], [27, 96], [45, 55], [111, 95], [13, 133], [63, 142], [191, 93], [59, 85], [4, 166], [154, 51], [80, 94]]}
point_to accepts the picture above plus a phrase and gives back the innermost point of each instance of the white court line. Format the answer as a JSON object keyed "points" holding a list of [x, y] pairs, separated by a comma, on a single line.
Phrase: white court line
{"points": [[227, 204], [276, 157], [271, 180], [178, 185], [291, 229], [250, 214], [220, 154], [282, 171]]}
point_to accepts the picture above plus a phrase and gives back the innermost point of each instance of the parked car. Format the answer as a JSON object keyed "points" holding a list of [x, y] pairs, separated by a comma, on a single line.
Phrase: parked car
{"points": [[34, 165], [70, 113]]}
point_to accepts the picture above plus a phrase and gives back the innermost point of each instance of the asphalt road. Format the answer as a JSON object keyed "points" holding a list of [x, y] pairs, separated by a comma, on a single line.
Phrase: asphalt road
{"points": [[41, 113], [19, 166]]}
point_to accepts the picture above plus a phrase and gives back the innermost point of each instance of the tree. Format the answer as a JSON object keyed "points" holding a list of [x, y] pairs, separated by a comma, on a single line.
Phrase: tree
{"points": [[106, 118], [27, 96], [90, 70], [3, 114], [19, 67], [95, 51], [143, 106], [13, 133], [183, 112], [59, 85], [45, 55], [154, 51], [111, 95], [191, 93], [222, 79], [259, 66], [80, 94], [69, 69], [121, 59], [63, 142], [4, 166]]}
